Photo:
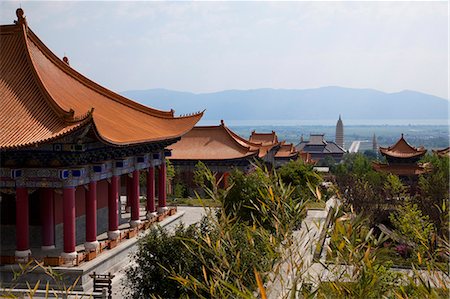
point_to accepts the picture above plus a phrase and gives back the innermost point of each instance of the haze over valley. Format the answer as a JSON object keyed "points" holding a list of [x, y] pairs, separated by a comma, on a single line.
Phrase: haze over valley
{"points": [[325, 103]]}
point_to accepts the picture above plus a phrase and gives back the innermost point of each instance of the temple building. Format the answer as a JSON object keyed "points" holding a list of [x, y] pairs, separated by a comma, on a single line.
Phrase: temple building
{"points": [[219, 148], [340, 132], [268, 146], [287, 152], [319, 148], [222, 150], [402, 160], [445, 152], [66, 144]]}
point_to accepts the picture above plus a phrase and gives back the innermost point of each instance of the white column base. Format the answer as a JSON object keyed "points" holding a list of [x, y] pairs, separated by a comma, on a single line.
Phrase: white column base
{"points": [[91, 246], [151, 215], [69, 256], [113, 234], [22, 255], [135, 223], [162, 209], [48, 247]]}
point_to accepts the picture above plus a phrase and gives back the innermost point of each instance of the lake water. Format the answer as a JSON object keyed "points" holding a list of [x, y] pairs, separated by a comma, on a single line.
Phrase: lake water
{"points": [[330, 122]]}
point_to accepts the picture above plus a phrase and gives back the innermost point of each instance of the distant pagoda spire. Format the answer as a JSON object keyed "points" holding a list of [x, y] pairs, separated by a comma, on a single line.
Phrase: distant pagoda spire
{"points": [[340, 132], [374, 143]]}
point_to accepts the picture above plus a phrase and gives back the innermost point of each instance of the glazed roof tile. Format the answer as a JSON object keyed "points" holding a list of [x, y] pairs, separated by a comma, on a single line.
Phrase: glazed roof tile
{"points": [[402, 149], [211, 143], [399, 169], [442, 152], [264, 138], [266, 142], [43, 98], [317, 145], [286, 151]]}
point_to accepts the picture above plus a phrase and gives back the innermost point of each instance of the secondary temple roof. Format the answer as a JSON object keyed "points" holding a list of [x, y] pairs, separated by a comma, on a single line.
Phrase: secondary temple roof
{"points": [[264, 138], [287, 150], [212, 143], [402, 149], [43, 98], [442, 152], [317, 145]]}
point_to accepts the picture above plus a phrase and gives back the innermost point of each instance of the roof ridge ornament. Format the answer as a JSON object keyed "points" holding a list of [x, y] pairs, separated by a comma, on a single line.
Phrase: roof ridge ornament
{"points": [[21, 19], [66, 59]]}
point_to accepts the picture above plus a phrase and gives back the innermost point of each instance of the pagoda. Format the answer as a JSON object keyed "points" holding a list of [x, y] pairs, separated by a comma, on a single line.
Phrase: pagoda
{"points": [[402, 160], [340, 132], [66, 145]]}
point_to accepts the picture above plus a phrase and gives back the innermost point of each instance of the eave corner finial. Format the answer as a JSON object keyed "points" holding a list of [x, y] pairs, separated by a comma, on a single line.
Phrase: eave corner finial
{"points": [[222, 123]]}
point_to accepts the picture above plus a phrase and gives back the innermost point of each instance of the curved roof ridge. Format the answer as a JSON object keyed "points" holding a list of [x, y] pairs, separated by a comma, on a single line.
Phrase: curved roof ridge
{"points": [[402, 143], [65, 115], [210, 143], [95, 86], [44, 94], [272, 134], [231, 135], [242, 139]]}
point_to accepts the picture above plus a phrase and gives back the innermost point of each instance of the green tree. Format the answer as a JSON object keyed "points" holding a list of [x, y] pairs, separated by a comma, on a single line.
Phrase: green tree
{"points": [[434, 190], [394, 187], [200, 174], [301, 176], [414, 226]]}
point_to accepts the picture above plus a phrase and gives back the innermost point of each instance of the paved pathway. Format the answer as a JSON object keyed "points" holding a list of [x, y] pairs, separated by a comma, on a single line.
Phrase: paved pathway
{"points": [[191, 215], [299, 257]]}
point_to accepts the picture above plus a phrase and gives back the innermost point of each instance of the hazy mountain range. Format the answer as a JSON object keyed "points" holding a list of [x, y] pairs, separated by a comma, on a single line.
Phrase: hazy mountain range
{"points": [[277, 104]]}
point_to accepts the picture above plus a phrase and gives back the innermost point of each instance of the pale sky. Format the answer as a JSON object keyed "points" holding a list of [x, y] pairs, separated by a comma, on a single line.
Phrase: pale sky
{"points": [[213, 46]]}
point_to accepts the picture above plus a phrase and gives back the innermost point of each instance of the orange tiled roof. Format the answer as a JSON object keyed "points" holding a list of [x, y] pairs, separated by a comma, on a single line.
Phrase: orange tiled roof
{"points": [[286, 150], [401, 169], [265, 141], [442, 152], [43, 98], [211, 143], [401, 149], [264, 138]]}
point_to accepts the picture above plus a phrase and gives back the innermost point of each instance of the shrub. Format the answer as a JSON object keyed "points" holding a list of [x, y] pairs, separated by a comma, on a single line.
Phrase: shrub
{"points": [[301, 176], [414, 226]]}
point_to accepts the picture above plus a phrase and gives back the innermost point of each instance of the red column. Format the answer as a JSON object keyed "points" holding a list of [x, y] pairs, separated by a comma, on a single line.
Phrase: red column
{"points": [[22, 230], [225, 179], [162, 188], [113, 211], [129, 190], [135, 199], [91, 243], [69, 222], [47, 218], [151, 192]]}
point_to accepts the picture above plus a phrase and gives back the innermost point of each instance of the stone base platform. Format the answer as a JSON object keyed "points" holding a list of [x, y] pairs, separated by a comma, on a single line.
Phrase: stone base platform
{"points": [[76, 275]]}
